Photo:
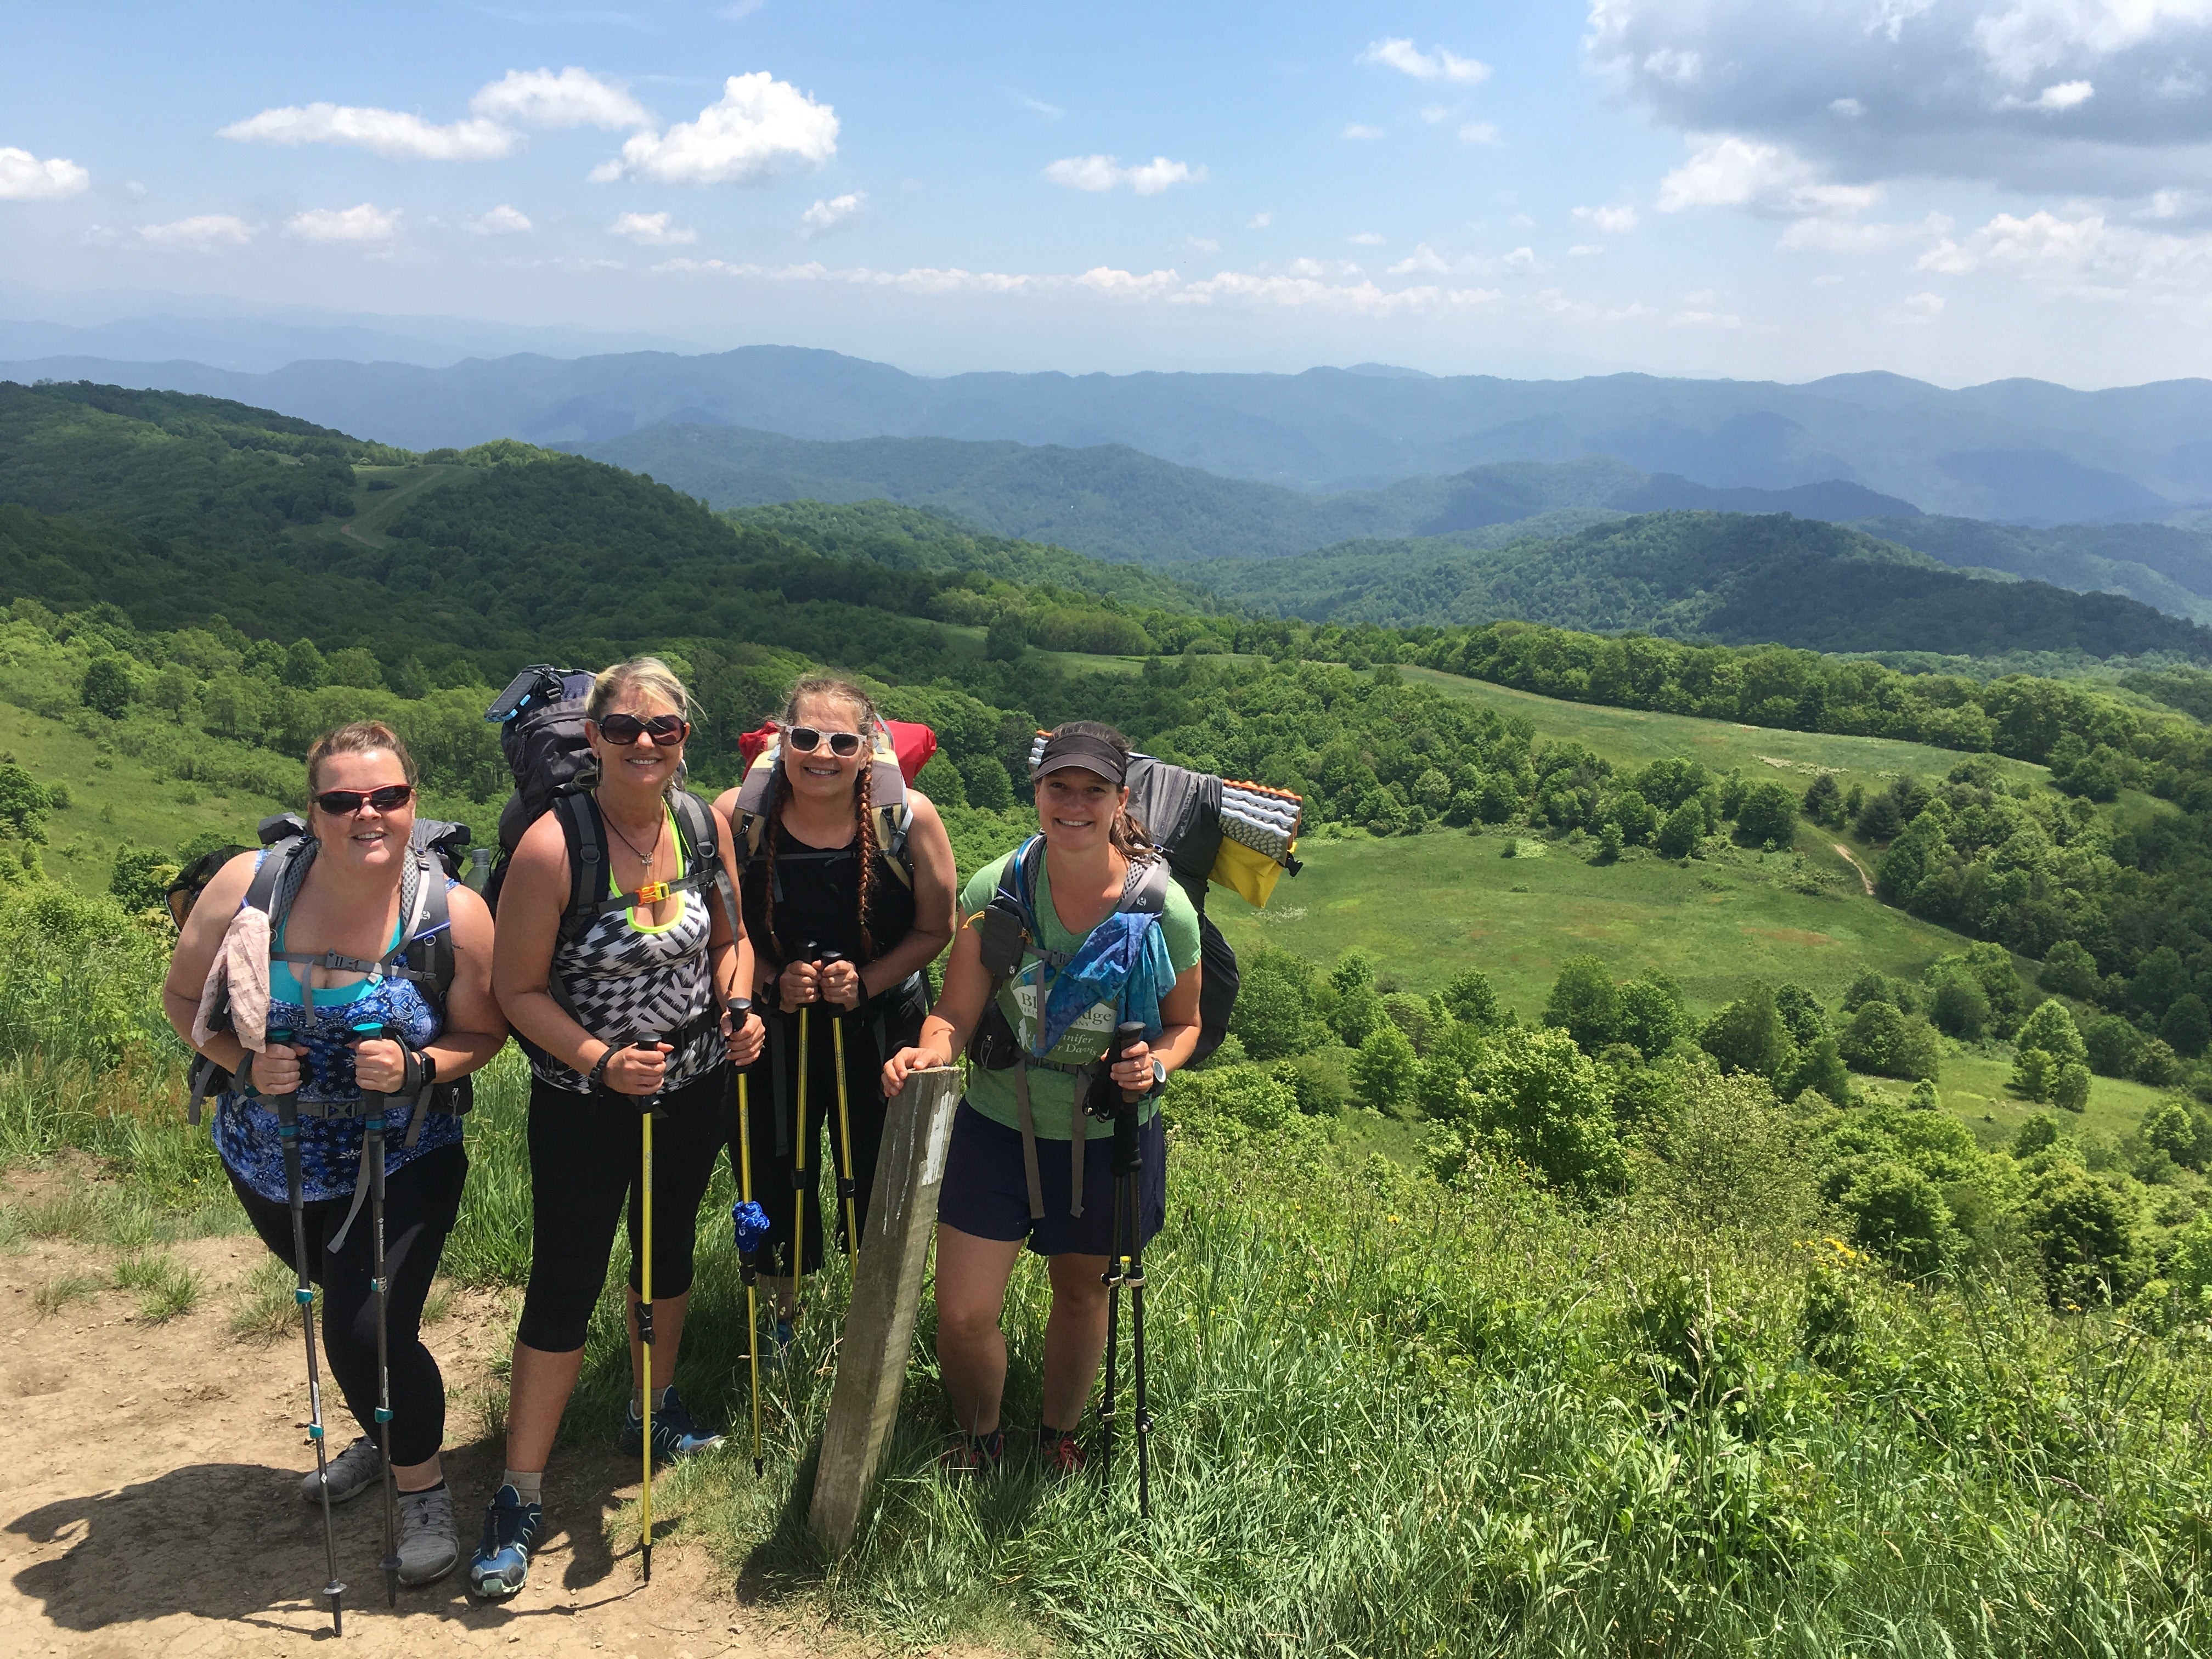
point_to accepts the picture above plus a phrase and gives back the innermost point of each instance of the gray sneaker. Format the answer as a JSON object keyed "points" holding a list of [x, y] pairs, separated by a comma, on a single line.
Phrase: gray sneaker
{"points": [[353, 1472], [428, 1546]]}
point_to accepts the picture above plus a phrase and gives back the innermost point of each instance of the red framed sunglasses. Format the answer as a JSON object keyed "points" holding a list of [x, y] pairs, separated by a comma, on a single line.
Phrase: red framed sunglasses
{"points": [[344, 803]]}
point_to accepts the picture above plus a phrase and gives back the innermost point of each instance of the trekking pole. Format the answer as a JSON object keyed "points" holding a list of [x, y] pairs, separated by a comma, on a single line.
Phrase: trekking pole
{"points": [[798, 1162], [749, 1223], [288, 1135], [645, 1307], [1125, 1265], [373, 1128], [845, 1189]]}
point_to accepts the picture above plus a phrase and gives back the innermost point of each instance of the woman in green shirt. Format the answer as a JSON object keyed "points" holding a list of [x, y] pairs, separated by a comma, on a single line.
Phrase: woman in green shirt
{"points": [[1106, 938]]}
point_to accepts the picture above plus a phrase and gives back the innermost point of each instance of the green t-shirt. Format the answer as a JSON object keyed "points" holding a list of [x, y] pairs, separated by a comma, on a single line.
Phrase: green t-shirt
{"points": [[1052, 1094]]}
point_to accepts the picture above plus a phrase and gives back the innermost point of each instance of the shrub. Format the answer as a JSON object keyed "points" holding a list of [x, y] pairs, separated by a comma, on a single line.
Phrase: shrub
{"points": [[2085, 1230], [1382, 1074], [1821, 1068], [1684, 827], [1888, 1043], [1412, 1015], [1469, 998], [23, 804], [2068, 970], [107, 686], [1748, 1036], [1634, 815], [1651, 1014], [2035, 1135], [1274, 1000], [2113, 1045], [1251, 1097], [1536, 1096], [1899, 1214], [2187, 1026], [2069, 1086], [1768, 816], [1824, 801], [141, 879], [1585, 1004], [1959, 1007]]}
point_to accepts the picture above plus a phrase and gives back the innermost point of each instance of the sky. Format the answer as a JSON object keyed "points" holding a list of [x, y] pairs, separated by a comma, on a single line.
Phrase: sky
{"points": [[1958, 190]]}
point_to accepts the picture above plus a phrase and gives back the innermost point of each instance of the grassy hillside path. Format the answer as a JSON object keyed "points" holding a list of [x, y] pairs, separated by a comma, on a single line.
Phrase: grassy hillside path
{"points": [[1844, 854], [152, 1492]]}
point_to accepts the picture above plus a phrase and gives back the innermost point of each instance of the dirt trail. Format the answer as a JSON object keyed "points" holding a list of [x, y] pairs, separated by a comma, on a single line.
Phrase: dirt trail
{"points": [[1844, 854], [148, 1497]]}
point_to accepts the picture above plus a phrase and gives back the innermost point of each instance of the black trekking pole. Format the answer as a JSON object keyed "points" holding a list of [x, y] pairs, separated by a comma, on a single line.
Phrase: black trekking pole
{"points": [[288, 1135], [1125, 1265], [374, 1107], [845, 1186]]}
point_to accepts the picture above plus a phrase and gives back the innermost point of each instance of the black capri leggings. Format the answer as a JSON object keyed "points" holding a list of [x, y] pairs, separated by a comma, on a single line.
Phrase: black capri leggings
{"points": [[873, 1033], [420, 1203], [583, 1163]]}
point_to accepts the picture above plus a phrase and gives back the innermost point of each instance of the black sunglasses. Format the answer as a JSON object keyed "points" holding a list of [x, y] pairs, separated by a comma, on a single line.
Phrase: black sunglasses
{"points": [[344, 803], [622, 729], [805, 739]]}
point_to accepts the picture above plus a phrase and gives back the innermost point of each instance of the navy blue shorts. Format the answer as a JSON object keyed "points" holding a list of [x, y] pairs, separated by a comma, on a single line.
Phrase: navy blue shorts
{"points": [[986, 1195]]}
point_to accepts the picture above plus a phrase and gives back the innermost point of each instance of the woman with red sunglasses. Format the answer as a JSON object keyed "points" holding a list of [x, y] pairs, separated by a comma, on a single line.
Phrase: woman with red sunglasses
{"points": [[615, 969], [845, 909], [347, 893]]}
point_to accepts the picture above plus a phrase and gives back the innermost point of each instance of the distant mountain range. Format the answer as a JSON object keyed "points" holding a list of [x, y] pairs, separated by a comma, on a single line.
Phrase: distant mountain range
{"points": [[2016, 450]]}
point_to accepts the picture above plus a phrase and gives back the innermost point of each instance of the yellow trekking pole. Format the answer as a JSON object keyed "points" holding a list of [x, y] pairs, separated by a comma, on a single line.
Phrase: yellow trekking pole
{"points": [[845, 1188], [749, 1221], [645, 1311]]}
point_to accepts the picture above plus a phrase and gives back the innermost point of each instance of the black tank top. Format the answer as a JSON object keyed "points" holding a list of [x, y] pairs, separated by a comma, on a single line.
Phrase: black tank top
{"points": [[817, 901]]}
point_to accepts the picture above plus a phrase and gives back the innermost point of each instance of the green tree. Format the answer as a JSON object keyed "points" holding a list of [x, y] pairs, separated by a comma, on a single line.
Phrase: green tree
{"points": [[1684, 827], [1900, 1213], [1536, 1096], [987, 783], [1801, 1011], [2038, 1133], [1748, 1036], [2113, 1045], [1274, 1000], [1608, 842], [1469, 999], [1959, 1007], [1924, 1097], [1651, 1014], [173, 691], [304, 669], [1824, 801], [941, 781], [2177, 1131], [23, 804], [2068, 970], [2050, 1033], [1382, 1071], [2069, 1086], [1882, 1040], [1585, 1004], [1637, 822], [2187, 1026], [1767, 816], [107, 686], [2085, 1229], [141, 876], [1821, 1068], [1006, 639]]}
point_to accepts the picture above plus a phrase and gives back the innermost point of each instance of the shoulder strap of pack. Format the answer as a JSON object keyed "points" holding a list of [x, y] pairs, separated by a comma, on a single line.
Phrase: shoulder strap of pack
{"points": [[706, 870], [1146, 891], [261, 892], [893, 824], [428, 950], [587, 859]]}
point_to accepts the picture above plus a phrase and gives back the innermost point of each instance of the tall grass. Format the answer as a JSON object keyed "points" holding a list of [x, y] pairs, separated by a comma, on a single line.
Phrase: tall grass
{"points": [[1394, 1417]]}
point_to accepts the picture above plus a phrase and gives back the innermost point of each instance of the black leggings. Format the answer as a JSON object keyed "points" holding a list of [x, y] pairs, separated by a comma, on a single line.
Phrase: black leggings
{"points": [[583, 1163], [774, 1128], [419, 1203]]}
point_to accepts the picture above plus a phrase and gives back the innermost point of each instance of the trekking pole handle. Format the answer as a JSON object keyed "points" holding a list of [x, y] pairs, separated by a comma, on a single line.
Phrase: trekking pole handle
{"points": [[1127, 1036]]}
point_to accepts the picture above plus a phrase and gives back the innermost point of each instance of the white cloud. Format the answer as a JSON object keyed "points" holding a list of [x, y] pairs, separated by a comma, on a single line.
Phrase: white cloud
{"points": [[572, 98], [388, 132], [1438, 64], [1730, 170], [501, 220], [366, 222], [759, 126], [1260, 221], [1104, 173], [1826, 279], [203, 233], [1819, 236], [1522, 258], [1359, 131], [1612, 221], [25, 178], [1201, 245], [1434, 113], [651, 230], [827, 215], [2086, 257], [1479, 132], [1705, 320], [1036, 106], [1367, 239], [1309, 268], [1871, 90], [1585, 250]]}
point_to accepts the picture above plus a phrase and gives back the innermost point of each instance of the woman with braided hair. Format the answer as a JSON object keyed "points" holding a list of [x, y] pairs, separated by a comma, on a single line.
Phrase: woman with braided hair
{"points": [[845, 902]]}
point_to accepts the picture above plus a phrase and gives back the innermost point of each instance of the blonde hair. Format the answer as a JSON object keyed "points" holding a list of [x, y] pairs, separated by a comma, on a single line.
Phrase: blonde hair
{"points": [[358, 737], [647, 674]]}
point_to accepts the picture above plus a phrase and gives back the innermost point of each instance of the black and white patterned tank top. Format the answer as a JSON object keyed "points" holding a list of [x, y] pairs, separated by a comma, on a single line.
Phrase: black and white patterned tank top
{"points": [[626, 979]]}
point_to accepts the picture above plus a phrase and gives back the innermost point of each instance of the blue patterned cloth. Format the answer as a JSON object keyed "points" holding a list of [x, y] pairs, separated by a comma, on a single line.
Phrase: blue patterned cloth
{"points": [[1124, 961], [330, 1150]]}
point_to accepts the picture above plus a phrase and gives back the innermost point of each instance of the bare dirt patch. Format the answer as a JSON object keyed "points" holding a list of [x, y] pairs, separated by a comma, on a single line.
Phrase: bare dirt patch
{"points": [[149, 1480]]}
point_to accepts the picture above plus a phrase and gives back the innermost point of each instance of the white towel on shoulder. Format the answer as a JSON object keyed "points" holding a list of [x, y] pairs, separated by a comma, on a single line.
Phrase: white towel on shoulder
{"points": [[240, 969]]}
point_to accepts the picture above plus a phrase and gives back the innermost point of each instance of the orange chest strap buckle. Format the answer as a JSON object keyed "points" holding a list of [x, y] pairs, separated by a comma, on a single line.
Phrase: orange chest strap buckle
{"points": [[652, 893]]}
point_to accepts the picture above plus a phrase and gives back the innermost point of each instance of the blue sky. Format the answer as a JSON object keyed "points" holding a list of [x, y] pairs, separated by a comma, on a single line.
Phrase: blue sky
{"points": [[1962, 190]]}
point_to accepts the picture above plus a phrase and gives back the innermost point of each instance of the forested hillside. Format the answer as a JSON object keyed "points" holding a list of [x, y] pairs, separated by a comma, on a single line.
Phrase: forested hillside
{"points": [[1729, 576], [2160, 564]]}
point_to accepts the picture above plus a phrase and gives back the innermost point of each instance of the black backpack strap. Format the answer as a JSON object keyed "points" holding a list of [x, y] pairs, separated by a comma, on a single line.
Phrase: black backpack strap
{"points": [[579, 814]]}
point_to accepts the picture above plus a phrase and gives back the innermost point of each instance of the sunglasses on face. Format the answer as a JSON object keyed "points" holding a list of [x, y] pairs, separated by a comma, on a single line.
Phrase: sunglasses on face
{"points": [[805, 739], [667, 731], [344, 803]]}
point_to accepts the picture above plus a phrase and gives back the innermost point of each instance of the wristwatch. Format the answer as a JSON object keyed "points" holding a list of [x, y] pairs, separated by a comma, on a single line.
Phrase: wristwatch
{"points": [[1159, 1075], [597, 1081], [427, 1063]]}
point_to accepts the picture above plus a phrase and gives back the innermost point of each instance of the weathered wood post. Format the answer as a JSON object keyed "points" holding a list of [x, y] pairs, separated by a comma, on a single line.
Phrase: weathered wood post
{"points": [[886, 1290]]}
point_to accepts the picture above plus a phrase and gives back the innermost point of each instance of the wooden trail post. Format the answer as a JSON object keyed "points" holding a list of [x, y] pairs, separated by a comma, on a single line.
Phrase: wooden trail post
{"points": [[886, 1289]]}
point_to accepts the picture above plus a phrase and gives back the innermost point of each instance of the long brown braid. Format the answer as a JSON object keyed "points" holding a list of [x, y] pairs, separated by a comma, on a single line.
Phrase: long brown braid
{"points": [[868, 720]]}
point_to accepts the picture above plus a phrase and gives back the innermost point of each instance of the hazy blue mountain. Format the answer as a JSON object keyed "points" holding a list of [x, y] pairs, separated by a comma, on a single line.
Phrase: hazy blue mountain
{"points": [[1735, 577], [1986, 451], [1113, 502], [2156, 564]]}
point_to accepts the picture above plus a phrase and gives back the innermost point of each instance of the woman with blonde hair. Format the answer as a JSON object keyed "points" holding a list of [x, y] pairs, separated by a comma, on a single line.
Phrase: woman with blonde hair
{"points": [[848, 878], [354, 944], [618, 956]]}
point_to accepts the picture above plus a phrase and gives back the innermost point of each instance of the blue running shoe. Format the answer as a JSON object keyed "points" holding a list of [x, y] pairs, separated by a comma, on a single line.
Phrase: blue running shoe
{"points": [[780, 1347], [676, 1432], [501, 1566]]}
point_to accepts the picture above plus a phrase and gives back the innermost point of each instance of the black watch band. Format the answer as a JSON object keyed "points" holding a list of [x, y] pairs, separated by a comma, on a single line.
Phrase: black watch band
{"points": [[427, 1063], [597, 1081]]}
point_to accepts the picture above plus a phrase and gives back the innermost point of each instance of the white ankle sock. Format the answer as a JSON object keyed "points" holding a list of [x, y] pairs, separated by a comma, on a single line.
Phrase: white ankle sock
{"points": [[527, 1486]]}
